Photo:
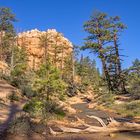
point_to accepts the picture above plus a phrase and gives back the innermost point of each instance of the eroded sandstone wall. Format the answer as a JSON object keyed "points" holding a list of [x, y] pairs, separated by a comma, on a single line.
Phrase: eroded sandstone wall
{"points": [[59, 47]]}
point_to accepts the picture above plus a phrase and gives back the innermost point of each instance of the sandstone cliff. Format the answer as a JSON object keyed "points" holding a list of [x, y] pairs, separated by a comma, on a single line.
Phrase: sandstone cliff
{"points": [[4, 68], [58, 47]]}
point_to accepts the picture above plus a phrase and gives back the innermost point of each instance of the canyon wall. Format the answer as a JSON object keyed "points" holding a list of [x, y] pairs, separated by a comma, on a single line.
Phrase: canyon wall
{"points": [[41, 43]]}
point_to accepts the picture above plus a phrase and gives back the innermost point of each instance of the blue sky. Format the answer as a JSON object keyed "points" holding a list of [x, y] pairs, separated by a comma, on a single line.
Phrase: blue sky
{"points": [[68, 16]]}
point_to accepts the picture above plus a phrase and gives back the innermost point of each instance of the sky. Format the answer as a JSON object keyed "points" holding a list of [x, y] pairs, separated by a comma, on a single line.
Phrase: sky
{"points": [[68, 17]]}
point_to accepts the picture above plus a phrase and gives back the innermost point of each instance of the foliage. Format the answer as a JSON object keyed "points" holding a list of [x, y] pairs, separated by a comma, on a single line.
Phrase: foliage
{"points": [[130, 109], [72, 89], [6, 19], [88, 72], [43, 109], [107, 99], [103, 41], [34, 107], [20, 125], [13, 97], [7, 33], [133, 79], [18, 70], [28, 91], [67, 73], [48, 82], [24, 126]]}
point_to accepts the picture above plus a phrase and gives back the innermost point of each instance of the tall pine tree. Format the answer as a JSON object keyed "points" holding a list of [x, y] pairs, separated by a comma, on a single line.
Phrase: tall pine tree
{"points": [[103, 40]]}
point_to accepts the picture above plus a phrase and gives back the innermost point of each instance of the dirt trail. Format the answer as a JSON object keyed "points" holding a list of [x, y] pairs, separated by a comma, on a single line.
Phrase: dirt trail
{"points": [[86, 105], [82, 110], [8, 110]]}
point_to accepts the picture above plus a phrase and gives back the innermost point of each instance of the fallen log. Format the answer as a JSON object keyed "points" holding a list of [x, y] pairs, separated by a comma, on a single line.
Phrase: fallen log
{"points": [[98, 119], [112, 127]]}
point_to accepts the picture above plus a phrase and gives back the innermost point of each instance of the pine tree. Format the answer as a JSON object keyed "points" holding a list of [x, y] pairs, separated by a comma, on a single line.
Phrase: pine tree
{"points": [[57, 49], [48, 83], [68, 69], [103, 40], [116, 27], [99, 36], [133, 79], [86, 69], [7, 34], [44, 43], [70, 62], [19, 67]]}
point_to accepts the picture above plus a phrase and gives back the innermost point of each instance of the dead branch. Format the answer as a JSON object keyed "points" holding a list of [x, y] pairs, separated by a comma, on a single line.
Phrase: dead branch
{"points": [[98, 119]]}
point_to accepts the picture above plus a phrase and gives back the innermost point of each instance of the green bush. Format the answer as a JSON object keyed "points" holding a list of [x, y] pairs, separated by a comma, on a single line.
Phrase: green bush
{"points": [[43, 109], [13, 97], [62, 97], [50, 107], [34, 107], [27, 91], [107, 99]]}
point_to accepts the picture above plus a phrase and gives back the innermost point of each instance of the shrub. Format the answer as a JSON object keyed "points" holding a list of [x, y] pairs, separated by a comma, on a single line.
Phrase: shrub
{"points": [[34, 107], [13, 97], [20, 125], [24, 126], [130, 109], [38, 127], [107, 99], [27, 91], [43, 109], [51, 108], [72, 90], [62, 97]]}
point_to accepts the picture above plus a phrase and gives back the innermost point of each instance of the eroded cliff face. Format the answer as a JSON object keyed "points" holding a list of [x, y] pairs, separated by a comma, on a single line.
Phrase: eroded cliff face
{"points": [[4, 68], [40, 43]]}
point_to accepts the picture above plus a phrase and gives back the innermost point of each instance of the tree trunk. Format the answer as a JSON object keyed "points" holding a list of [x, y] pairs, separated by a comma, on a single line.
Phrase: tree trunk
{"points": [[12, 46], [12, 58], [62, 61], [121, 83], [112, 127], [1, 50], [105, 70], [73, 68], [34, 63]]}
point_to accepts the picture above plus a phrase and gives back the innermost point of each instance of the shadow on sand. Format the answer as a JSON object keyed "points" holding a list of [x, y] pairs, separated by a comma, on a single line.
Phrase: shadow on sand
{"points": [[13, 110]]}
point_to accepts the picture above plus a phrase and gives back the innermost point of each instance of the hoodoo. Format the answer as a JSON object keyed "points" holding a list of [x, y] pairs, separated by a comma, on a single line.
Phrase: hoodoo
{"points": [[35, 49]]}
